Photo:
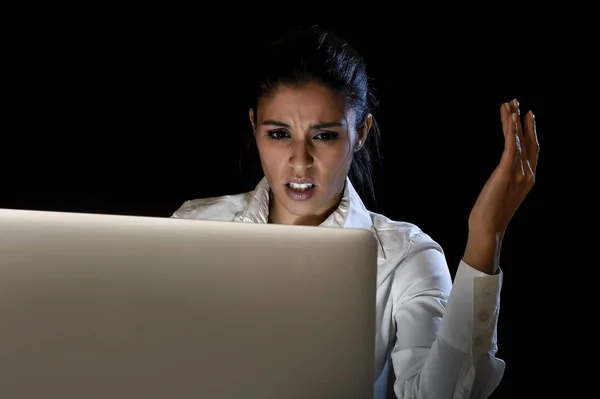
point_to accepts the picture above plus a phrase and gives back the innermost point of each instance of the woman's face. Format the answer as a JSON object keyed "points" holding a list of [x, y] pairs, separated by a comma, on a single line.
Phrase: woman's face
{"points": [[306, 139]]}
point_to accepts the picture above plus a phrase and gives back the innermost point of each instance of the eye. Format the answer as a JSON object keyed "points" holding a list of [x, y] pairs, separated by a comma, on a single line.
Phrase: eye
{"points": [[327, 136], [278, 134]]}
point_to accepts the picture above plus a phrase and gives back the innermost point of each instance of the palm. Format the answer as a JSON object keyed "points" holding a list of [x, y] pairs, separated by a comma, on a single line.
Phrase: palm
{"points": [[512, 179]]}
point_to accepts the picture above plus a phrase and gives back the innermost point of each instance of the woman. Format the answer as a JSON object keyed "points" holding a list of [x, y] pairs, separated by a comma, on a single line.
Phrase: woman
{"points": [[315, 136]]}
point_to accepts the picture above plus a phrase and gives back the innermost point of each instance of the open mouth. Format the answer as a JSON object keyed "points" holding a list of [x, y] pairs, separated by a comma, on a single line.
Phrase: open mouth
{"points": [[300, 186], [301, 190]]}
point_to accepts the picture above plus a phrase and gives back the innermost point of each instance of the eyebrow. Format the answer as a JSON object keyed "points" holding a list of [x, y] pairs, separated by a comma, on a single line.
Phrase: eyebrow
{"points": [[329, 125]]}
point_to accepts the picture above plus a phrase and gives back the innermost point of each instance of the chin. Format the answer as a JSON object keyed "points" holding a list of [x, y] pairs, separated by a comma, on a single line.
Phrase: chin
{"points": [[302, 210]]}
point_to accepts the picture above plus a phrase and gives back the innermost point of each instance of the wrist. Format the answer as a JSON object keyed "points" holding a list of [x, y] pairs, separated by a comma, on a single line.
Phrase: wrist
{"points": [[483, 252]]}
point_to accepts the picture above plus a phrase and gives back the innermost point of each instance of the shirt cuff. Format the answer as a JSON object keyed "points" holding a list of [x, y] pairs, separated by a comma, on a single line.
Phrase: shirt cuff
{"points": [[471, 316]]}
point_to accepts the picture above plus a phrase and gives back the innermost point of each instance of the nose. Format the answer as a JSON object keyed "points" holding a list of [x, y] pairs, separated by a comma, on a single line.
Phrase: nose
{"points": [[300, 156]]}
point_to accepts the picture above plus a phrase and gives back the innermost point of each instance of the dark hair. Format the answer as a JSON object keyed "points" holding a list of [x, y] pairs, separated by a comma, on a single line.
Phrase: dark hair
{"points": [[316, 55]]}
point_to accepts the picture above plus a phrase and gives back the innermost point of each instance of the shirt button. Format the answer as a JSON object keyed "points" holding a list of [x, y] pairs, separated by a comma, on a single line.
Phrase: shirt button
{"points": [[483, 316]]}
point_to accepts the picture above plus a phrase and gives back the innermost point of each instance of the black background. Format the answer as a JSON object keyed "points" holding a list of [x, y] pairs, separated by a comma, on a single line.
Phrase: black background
{"points": [[135, 117]]}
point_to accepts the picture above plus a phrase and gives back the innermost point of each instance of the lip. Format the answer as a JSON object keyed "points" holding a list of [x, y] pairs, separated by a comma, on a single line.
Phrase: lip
{"points": [[300, 195], [301, 181]]}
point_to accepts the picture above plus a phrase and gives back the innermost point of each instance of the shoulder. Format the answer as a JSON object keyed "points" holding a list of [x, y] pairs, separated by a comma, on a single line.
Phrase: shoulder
{"points": [[399, 238], [221, 208], [409, 256]]}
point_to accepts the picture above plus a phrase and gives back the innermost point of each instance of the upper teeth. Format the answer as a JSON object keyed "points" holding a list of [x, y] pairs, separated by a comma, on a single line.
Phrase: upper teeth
{"points": [[300, 186]]}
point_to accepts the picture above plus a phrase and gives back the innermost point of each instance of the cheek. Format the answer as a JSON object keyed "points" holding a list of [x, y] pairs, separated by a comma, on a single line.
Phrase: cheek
{"points": [[337, 161], [270, 156]]}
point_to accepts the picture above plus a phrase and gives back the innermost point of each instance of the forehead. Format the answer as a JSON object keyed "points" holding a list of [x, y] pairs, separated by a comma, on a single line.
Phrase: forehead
{"points": [[311, 102]]}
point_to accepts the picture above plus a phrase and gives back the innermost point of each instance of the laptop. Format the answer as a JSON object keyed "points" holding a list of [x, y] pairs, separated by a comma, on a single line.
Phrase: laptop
{"points": [[112, 306]]}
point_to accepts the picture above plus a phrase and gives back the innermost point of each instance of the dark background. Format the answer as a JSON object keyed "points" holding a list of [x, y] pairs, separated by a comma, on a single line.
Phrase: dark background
{"points": [[137, 117]]}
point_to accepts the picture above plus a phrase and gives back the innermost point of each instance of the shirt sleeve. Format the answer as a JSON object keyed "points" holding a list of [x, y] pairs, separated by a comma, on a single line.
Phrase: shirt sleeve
{"points": [[445, 333]]}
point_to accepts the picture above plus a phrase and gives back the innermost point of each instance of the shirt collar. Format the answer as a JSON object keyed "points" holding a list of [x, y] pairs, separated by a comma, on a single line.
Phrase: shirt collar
{"points": [[351, 212]]}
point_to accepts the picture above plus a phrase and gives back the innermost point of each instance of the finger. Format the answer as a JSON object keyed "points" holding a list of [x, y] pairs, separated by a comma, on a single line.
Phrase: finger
{"points": [[510, 153], [515, 129], [505, 117], [515, 109], [533, 145], [518, 159]]}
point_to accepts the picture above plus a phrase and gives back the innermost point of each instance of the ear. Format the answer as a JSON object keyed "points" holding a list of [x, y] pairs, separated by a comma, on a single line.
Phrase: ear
{"points": [[251, 115], [364, 131]]}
